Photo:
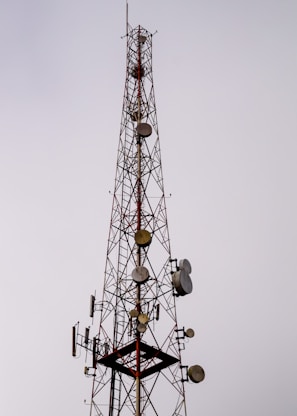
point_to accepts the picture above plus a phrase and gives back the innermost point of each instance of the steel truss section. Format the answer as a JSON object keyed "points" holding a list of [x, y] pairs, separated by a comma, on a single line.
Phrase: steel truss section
{"points": [[136, 353]]}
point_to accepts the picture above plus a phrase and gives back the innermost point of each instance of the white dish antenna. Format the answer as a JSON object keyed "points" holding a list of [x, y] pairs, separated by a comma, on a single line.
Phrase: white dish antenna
{"points": [[184, 264], [182, 282], [140, 274]]}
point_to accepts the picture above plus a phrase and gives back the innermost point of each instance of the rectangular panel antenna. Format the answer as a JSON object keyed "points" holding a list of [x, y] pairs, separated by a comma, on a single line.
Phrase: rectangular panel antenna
{"points": [[87, 331], [73, 341], [92, 305]]}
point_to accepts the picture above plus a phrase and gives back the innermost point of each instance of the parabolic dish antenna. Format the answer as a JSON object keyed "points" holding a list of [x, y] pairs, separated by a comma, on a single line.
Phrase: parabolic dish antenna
{"points": [[196, 373], [144, 129], [143, 238], [142, 39], [134, 313], [141, 328], [190, 333], [137, 72], [182, 282], [143, 318], [135, 116], [140, 274], [184, 264]]}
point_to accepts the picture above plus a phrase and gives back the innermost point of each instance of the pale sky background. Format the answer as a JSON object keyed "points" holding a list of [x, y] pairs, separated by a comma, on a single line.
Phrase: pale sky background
{"points": [[225, 84]]}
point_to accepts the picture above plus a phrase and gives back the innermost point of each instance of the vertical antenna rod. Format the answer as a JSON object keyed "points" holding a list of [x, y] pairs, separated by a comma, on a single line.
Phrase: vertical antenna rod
{"points": [[127, 20]]}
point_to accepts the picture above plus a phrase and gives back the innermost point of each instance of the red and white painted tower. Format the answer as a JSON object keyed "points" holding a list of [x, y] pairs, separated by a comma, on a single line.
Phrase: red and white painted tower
{"points": [[134, 354]]}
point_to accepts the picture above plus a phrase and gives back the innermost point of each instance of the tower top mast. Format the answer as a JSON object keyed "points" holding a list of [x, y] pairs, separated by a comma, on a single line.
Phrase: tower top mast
{"points": [[127, 17]]}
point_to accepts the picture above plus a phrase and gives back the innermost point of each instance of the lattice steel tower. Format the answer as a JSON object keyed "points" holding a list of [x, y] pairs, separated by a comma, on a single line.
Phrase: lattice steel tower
{"points": [[135, 355]]}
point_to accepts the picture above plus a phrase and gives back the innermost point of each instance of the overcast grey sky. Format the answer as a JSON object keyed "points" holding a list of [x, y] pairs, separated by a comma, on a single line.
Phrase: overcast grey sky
{"points": [[225, 84]]}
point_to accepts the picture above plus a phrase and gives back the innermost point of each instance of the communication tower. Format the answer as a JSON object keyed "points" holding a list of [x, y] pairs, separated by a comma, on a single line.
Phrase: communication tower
{"points": [[134, 356]]}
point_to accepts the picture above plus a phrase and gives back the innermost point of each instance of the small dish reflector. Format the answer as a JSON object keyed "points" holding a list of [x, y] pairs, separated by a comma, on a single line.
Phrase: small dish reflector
{"points": [[184, 264], [140, 274], [143, 238], [134, 313], [182, 282], [190, 333], [196, 373], [144, 129], [141, 328], [137, 71], [142, 38], [143, 318], [135, 116]]}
